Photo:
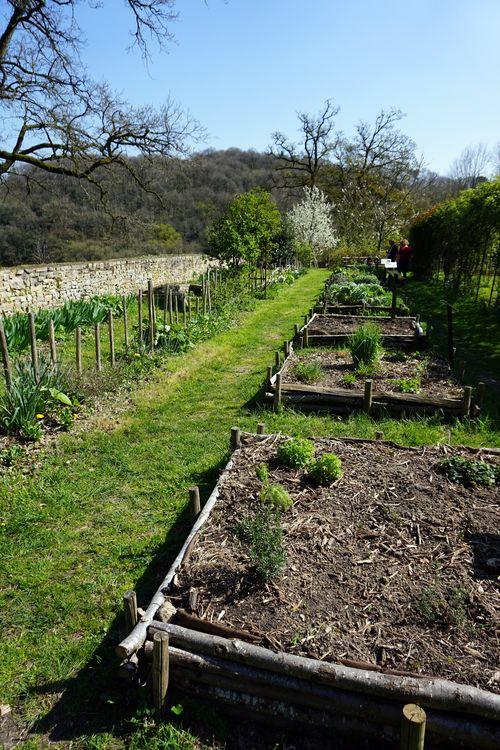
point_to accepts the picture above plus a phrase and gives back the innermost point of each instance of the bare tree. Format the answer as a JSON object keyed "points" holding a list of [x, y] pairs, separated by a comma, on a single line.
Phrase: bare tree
{"points": [[470, 167], [57, 120], [299, 164]]}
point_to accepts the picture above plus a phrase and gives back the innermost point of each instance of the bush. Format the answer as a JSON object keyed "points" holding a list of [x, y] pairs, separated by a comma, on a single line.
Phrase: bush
{"points": [[326, 469], [365, 345], [276, 496], [296, 453], [308, 372], [468, 472], [264, 536]]}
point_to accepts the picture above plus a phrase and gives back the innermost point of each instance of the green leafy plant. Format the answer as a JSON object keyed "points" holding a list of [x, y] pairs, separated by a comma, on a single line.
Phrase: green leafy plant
{"points": [[365, 345], [443, 608], [264, 536], [308, 372], [276, 496], [349, 379], [407, 385], [295, 453], [469, 472], [11, 455], [262, 472], [325, 469]]}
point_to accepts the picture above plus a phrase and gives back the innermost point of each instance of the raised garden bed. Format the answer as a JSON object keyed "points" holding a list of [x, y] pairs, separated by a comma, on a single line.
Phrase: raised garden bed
{"points": [[400, 382], [389, 577], [368, 310], [327, 330]]}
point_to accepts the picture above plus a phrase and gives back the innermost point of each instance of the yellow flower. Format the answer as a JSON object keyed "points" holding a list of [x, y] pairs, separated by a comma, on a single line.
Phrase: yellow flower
{"points": [[137, 354], [40, 416]]}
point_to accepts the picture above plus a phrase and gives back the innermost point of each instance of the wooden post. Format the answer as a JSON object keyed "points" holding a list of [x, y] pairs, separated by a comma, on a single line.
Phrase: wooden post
{"points": [[277, 390], [78, 335], [451, 350], [190, 310], [165, 307], [413, 728], [160, 671], [151, 315], [306, 337], [461, 369], [204, 291], [111, 329], [261, 428], [194, 502], [139, 314], [466, 400], [176, 308], [52, 343], [296, 331], [184, 312], [306, 319], [301, 340], [197, 307], [235, 438], [269, 375], [394, 298], [97, 340], [125, 322], [34, 351], [278, 361], [367, 398], [379, 436], [130, 611], [5, 356], [480, 394]]}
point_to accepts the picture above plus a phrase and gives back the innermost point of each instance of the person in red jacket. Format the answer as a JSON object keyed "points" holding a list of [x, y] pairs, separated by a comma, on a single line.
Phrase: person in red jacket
{"points": [[404, 257]]}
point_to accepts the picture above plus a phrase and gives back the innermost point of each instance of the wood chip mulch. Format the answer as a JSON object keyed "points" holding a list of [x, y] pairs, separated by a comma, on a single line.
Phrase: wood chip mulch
{"points": [[392, 565]]}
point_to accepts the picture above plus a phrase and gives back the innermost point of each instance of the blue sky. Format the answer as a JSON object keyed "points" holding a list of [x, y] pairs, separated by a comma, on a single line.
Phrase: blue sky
{"points": [[244, 67]]}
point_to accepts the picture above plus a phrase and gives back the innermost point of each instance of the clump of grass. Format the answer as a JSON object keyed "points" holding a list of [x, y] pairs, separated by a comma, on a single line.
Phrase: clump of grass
{"points": [[326, 469], [365, 345], [349, 379], [263, 534], [445, 609], [276, 496], [308, 372], [469, 472], [407, 385], [296, 453], [262, 473]]}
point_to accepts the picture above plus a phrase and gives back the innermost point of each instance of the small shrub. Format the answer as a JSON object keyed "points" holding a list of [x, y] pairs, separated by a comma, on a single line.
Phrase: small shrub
{"points": [[407, 385], [262, 473], [308, 372], [468, 472], [349, 379], [445, 609], [276, 496], [264, 536], [326, 469], [296, 453], [367, 370], [365, 345]]}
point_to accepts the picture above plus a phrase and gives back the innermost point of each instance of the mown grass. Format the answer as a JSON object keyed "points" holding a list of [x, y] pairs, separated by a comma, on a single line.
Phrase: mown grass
{"points": [[106, 512]]}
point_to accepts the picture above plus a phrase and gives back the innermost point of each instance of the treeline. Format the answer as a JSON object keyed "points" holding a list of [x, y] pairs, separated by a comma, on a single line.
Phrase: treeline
{"points": [[460, 237]]}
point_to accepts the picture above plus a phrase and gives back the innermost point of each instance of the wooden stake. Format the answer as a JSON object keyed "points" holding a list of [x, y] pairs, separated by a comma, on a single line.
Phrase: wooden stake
{"points": [[306, 337], [451, 349], [5, 355], [413, 728], [160, 671], [78, 342], [151, 315], [379, 436], [130, 611], [296, 331], [261, 427], [269, 374], [34, 350], [466, 400], [165, 307], [171, 307], [194, 502], [125, 322], [197, 307], [52, 343], [190, 310], [184, 312], [97, 340], [193, 599], [235, 438], [176, 307], [480, 394], [277, 390], [367, 398], [139, 312], [278, 361], [111, 330]]}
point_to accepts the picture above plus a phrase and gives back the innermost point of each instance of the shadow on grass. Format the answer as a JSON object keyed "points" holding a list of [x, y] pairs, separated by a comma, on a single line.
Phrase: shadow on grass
{"points": [[96, 701]]}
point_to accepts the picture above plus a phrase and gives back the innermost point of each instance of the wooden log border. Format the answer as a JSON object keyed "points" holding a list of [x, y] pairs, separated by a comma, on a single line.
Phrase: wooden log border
{"points": [[245, 676]]}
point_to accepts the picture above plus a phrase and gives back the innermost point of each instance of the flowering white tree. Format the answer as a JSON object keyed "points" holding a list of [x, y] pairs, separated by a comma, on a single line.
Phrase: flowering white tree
{"points": [[312, 223]]}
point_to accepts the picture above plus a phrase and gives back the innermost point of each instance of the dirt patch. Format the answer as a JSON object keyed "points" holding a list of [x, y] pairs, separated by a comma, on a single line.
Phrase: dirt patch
{"points": [[332, 324], [426, 374], [387, 566]]}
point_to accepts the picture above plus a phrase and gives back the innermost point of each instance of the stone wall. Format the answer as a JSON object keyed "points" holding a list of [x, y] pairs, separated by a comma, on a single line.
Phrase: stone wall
{"points": [[36, 287]]}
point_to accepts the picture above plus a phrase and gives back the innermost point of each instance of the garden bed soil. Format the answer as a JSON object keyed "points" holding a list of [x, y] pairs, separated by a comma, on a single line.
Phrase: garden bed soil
{"points": [[436, 380], [328, 325], [390, 566]]}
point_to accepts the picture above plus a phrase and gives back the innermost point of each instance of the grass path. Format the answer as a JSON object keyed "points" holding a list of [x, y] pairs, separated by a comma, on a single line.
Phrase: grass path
{"points": [[107, 512]]}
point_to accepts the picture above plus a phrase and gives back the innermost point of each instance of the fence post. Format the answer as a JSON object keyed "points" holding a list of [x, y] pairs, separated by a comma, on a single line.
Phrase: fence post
{"points": [[125, 322], [130, 611], [194, 502], [139, 317], [367, 398], [235, 438], [111, 338], [278, 361], [5, 356], [261, 427], [151, 315], [52, 343], [34, 351], [413, 727], [160, 671], [78, 336], [466, 400], [451, 350], [277, 390], [269, 375], [97, 340], [165, 307]]}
